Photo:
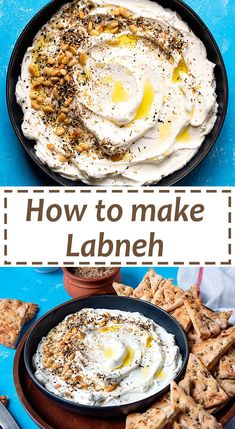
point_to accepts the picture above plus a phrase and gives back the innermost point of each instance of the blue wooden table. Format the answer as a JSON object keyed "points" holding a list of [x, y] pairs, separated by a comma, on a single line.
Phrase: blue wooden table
{"points": [[217, 169], [47, 291]]}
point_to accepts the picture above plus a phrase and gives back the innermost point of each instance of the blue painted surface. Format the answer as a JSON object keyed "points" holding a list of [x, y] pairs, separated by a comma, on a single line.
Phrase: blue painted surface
{"points": [[216, 169], [47, 291]]}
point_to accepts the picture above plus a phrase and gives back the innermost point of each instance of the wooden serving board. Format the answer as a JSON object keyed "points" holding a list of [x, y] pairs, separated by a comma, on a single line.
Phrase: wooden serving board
{"points": [[47, 414]]}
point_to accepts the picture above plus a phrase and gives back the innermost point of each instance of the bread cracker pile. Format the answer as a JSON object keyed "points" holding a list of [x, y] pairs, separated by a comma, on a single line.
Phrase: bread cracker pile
{"points": [[209, 380], [13, 315]]}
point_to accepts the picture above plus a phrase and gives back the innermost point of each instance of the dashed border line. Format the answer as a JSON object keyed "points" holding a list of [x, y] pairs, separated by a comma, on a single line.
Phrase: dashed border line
{"points": [[128, 191]]}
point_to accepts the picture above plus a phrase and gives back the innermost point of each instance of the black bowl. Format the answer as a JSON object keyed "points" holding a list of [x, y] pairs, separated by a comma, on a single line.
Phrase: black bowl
{"points": [[198, 27], [53, 317]]}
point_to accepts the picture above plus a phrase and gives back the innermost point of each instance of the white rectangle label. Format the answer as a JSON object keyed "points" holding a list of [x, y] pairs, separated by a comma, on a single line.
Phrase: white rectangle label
{"points": [[116, 226]]}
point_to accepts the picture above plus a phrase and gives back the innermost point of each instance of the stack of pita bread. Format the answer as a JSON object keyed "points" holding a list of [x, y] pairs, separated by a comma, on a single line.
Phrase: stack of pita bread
{"points": [[209, 380], [13, 315]]}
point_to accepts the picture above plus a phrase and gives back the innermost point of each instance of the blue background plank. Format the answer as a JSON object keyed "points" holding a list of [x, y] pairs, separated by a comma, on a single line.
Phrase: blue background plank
{"points": [[217, 169], [47, 291]]}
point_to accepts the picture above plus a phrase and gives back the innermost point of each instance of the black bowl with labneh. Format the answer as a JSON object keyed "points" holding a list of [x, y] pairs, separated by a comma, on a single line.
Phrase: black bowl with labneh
{"points": [[105, 355], [130, 93]]}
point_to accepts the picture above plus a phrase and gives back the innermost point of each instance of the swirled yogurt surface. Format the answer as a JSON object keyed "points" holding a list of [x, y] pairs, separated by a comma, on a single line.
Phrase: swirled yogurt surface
{"points": [[116, 93], [106, 357]]}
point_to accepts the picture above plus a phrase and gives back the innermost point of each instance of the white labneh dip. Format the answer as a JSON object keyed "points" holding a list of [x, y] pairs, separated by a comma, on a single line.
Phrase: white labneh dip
{"points": [[106, 357], [116, 93]]}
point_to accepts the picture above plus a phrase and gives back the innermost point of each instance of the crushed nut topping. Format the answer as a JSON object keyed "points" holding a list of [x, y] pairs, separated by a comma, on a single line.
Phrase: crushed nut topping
{"points": [[52, 75]]}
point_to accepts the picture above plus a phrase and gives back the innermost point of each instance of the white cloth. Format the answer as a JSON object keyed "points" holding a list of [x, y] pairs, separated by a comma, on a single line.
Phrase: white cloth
{"points": [[217, 286]]}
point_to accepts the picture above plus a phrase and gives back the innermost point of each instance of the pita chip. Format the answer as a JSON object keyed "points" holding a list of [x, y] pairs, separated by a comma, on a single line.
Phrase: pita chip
{"points": [[228, 386], [149, 275], [12, 318], [210, 351], [147, 297], [180, 314], [32, 309], [168, 297], [203, 388], [227, 365], [185, 384], [31, 312], [122, 290], [191, 415], [156, 417], [3, 399], [193, 338], [192, 292], [214, 410], [175, 425], [144, 288], [207, 323], [157, 282]]}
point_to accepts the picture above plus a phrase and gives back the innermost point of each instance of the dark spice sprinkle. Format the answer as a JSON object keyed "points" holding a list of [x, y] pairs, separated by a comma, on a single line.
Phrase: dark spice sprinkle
{"points": [[76, 34]]}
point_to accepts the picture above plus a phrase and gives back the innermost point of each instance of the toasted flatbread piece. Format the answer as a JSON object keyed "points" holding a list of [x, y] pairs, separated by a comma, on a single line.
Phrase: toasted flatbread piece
{"points": [[228, 386], [149, 275], [214, 410], [145, 285], [191, 415], [32, 308], [193, 338], [3, 399], [122, 290], [192, 292], [142, 290], [157, 282], [180, 314], [12, 318], [32, 311], [175, 425], [210, 351], [185, 384], [203, 388], [227, 365], [137, 419], [207, 323], [154, 418], [147, 297], [168, 296]]}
